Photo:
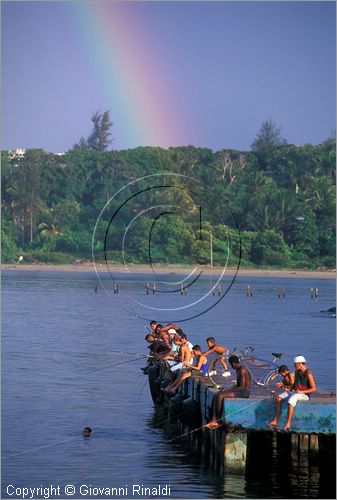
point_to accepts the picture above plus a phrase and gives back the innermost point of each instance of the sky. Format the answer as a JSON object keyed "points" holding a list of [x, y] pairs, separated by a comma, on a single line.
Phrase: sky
{"points": [[170, 73]]}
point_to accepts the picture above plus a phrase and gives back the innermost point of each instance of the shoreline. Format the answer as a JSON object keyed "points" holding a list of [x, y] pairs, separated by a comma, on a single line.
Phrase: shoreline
{"points": [[89, 267]]}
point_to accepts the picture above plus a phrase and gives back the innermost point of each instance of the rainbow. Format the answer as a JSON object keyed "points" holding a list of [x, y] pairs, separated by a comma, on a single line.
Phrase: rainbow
{"points": [[135, 83]]}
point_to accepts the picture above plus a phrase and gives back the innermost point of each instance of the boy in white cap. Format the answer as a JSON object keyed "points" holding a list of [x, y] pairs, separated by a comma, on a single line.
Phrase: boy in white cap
{"points": [[303, 385], [175, 345]]}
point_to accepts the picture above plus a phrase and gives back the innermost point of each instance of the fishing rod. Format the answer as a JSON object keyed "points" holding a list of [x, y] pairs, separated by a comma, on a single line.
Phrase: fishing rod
{"points": [[118, 364], [122, 363], [130, 311], [98, 284], [139, 319], [139, 355], [136, 357]]}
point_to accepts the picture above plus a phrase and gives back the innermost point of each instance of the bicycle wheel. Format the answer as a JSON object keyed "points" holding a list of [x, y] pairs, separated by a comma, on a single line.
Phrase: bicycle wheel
{"points": [[271, 381], [221, 378]]}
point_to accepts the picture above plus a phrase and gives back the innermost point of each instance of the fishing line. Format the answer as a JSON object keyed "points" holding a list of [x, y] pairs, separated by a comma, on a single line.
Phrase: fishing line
{"points": [[99, 285], [124, 362], [141, 391], [139, 319], [136, 357], [130, 454], [219, 420], [140, 355], [330, 394], [116, 364], [129, 311], [38, 448], [135, 384], [185, 434]]}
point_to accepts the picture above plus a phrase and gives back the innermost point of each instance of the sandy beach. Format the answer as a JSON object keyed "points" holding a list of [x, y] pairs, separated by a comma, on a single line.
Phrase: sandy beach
{"points": [[89, 267]]}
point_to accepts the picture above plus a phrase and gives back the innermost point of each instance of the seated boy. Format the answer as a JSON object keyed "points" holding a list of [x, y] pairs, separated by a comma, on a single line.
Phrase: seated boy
{"points": [[304, 384], [201, 365]]}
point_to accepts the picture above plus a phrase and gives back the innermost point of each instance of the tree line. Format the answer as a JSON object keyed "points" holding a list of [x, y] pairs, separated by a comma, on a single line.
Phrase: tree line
{"points": [[273, 206]]}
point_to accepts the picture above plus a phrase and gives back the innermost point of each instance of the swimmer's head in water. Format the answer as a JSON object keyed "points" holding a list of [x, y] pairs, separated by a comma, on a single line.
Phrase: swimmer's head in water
{"points": [[87, 431]]}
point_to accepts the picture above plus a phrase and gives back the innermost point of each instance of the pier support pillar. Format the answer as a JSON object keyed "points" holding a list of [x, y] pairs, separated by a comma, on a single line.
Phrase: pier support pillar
{"points": [[294, 445], [313, 447], [303, 444], [235, 451]]}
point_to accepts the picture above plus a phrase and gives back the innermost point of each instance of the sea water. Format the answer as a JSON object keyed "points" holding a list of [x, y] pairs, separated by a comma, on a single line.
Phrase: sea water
{"points": [[62, 370]]}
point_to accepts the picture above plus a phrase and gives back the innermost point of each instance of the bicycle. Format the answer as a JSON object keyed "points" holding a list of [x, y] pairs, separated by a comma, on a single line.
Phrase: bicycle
{"points": [[263, 372], [218, 375]]}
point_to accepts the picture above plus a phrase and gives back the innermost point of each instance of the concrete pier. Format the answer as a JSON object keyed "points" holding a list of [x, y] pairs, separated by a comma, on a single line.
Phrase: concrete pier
{"points": [[244, 431]]}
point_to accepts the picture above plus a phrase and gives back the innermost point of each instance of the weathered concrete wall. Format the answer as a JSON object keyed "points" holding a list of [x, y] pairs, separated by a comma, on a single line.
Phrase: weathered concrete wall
{"points": [[245, 430], [309, 416], [315, 415]]}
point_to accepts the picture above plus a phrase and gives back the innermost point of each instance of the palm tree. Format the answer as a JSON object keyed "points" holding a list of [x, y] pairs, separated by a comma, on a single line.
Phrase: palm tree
{"points": [[268, 135], [25, 200], [322, 195]]}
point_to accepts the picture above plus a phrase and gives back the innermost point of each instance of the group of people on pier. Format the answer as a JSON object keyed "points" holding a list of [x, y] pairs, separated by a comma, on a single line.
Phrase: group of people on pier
{"points": [[170, 344]]}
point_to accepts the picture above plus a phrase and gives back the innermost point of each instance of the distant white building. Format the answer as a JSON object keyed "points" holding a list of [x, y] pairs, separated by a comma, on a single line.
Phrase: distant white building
{"points": [[20, 153], [16, 153]]}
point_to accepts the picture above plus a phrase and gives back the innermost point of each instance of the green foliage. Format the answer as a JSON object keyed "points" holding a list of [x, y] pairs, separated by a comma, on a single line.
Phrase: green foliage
{"points": [[77, 243], [305, 237], [247, 240], [9, 250], [269, 248], [47, 257], [172, 241], [281, 197], [100, 137], [268, 135]]}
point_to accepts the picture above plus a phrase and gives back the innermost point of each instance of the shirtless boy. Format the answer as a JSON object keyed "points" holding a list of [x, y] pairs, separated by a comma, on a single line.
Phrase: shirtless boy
{"points": [[201, 365], [241, 390], [221, 351]]}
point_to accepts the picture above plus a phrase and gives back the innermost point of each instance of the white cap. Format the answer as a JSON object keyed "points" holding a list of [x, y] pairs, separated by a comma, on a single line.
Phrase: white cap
{"points": [[300, 359], [172, 330]]}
